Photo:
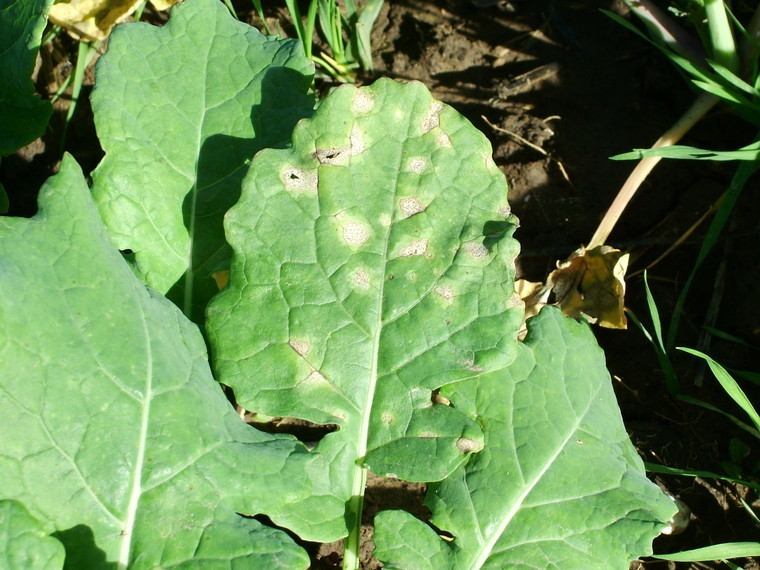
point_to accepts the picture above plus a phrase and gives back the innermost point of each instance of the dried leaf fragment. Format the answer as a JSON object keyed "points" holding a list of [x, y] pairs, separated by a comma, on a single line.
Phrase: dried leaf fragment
{"points": [[93, 19], [591, 282]]}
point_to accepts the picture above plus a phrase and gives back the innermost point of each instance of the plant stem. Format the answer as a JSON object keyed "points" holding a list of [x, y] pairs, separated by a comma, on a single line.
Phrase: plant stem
{"points": [[698, 109], [721, 37], [351, 545], [85, 54]]}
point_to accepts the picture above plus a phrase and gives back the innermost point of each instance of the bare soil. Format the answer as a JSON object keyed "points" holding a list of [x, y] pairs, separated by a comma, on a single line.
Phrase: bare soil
{"points": [[558, 88]]}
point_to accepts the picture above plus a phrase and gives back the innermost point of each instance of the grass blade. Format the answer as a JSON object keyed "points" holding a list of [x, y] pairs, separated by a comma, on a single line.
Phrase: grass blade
{"points": [[260, 12], [682, 152], [746, 427], [729, 385], [715, 552], [665, 470], [743, 173]]}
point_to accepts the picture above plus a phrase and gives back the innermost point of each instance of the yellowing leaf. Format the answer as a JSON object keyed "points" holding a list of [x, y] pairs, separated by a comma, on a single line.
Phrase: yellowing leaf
{"points": [[221, 278], [535, 296], [163, 4], [591, 282], [91, 19]]}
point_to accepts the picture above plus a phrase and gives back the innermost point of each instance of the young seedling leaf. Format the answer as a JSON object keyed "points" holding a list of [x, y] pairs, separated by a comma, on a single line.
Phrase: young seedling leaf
{"points": [[24, 541], [23, 115], [180, 110], [558, 484], [373, 264], [115, 433]]}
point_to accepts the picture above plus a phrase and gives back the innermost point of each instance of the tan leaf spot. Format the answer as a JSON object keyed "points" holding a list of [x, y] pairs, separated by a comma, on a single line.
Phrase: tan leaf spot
{"points": [[355, 234], [333, 156], [363, 102], [467, 445], [361, 279], [432, 118], [298, 179], [302, 347], [445, 292], [417, 247], [417, 165], [476, 250], [410, 206], [443, 140]]}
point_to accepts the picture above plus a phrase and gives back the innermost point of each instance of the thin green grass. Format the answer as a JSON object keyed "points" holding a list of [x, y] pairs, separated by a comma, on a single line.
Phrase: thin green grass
{"points": [[346, 31], [85, 54], [730, 386], [715, 552]]}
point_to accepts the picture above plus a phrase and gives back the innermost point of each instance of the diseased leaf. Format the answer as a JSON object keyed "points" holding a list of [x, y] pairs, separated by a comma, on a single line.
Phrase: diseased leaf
{"points": [[558, 484], [590, 283], [180, 110], [163, 4], [373, 264], [24, 542], [115, 433], [23, 115], [90, 20]]}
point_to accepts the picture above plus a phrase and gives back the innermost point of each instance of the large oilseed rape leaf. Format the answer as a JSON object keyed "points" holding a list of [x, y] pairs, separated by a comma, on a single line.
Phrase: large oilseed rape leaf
{"points": [[558, 484], [23, 115], [180, 110], [24, 542], [115, 434], [373, 264]]}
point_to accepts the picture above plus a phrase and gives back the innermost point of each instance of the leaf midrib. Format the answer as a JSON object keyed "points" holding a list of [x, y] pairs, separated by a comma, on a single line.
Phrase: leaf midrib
{"points": [[136, 492], [487, 549]]}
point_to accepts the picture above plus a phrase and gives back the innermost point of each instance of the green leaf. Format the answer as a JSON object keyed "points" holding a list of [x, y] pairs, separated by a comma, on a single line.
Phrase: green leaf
{"points": [[24, 542], [558, 485], [373, 264], [115, 432], [747, 153], [715, 552], [180, 111], [4, 203], [728, 384], [23, 115]]}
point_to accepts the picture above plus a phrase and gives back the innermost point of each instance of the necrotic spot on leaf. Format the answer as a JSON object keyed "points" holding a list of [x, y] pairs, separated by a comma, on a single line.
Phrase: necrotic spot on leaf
{"points": [[315, 377], [431, 120], [302, 347], [445, 292], [362, 102], [467, 445], [476, 250], [355, 234], [357, 141], [410, 206], [417, 247], [443, 140], [361, 279], [417, 165], [334, 156], [297, 179]]}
